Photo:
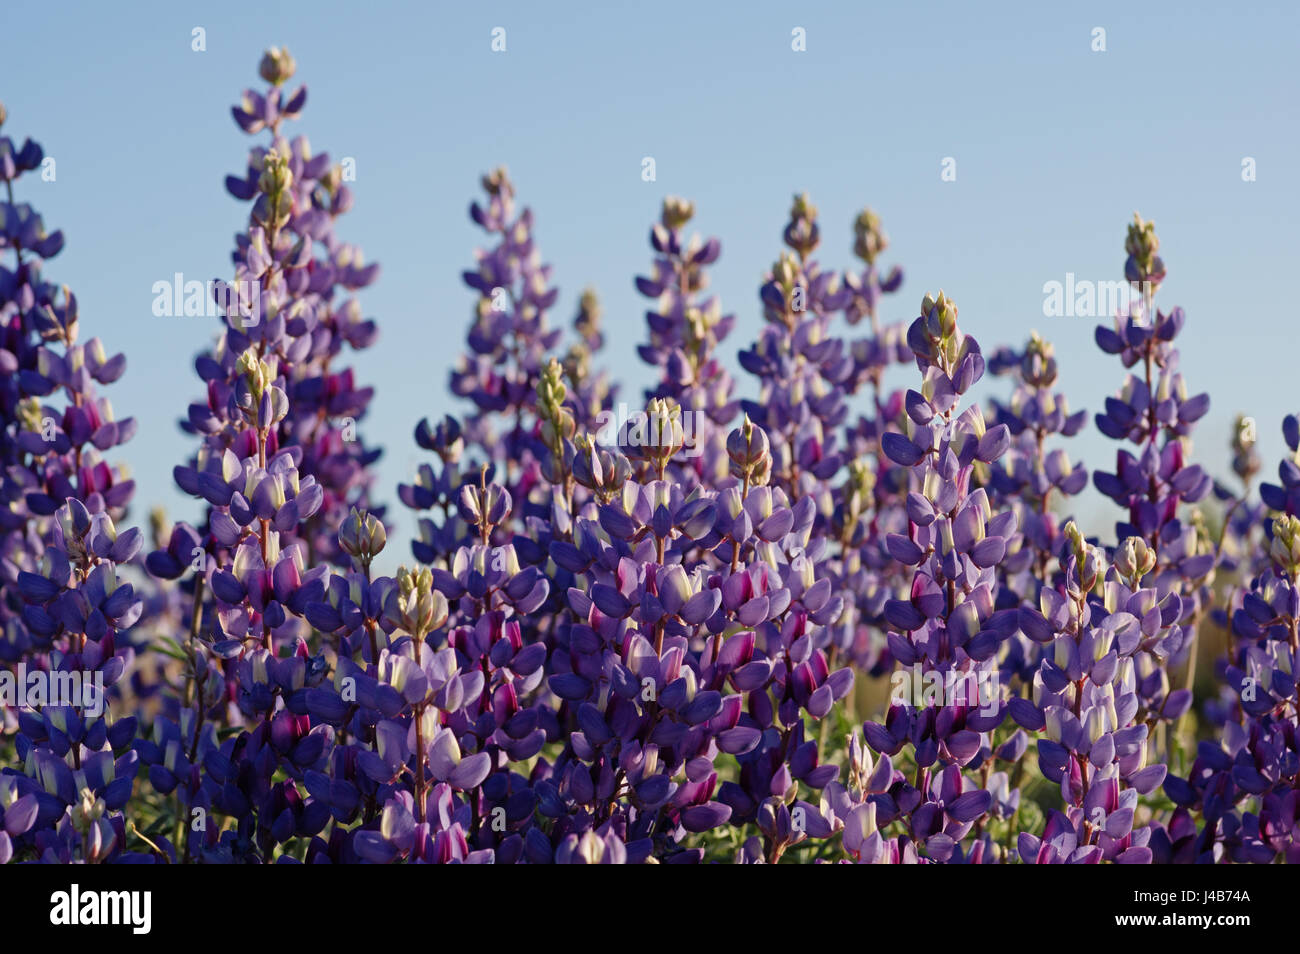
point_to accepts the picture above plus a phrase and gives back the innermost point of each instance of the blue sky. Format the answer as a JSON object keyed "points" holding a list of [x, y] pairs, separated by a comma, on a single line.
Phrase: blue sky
{"points": [[1056, 146]]}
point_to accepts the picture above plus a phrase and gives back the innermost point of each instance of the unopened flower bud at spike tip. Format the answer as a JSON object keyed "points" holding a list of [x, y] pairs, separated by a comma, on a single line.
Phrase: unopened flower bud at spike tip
{"points": [[869, 239], [1143, 266], [1285, 549], [255, 372], [803, 207], [276, 175], [1134, 559], [750, 453], [277, 66], [362, 536], [677, 212], [497, 183]]}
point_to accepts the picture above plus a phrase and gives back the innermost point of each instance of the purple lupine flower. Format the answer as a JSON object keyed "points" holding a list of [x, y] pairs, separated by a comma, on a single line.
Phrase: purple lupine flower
{"points": [[1244, 785], [1031, 475], [302, 307], [278, 468], [685, 328], [594, 392], [806, 375], [948, 625], [1086, 701], [510, 340], [1155, 413], [1033, 480], [802, 368], [67, 614]]}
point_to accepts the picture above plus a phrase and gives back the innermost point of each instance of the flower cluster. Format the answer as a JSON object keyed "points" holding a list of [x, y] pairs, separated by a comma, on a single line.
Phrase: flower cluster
{"points": [[1154, 413], [1244, 785], [67, 612], [279, 466], [1085, 702], [686, 330], [630, 638]]}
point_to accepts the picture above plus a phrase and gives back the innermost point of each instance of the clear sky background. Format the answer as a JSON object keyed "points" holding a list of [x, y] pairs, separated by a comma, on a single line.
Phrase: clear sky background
{"points": [[1056, 146]]}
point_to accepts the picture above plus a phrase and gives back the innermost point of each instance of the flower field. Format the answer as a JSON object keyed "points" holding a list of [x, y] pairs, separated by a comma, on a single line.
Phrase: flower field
{"points": [[773, 609]]}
